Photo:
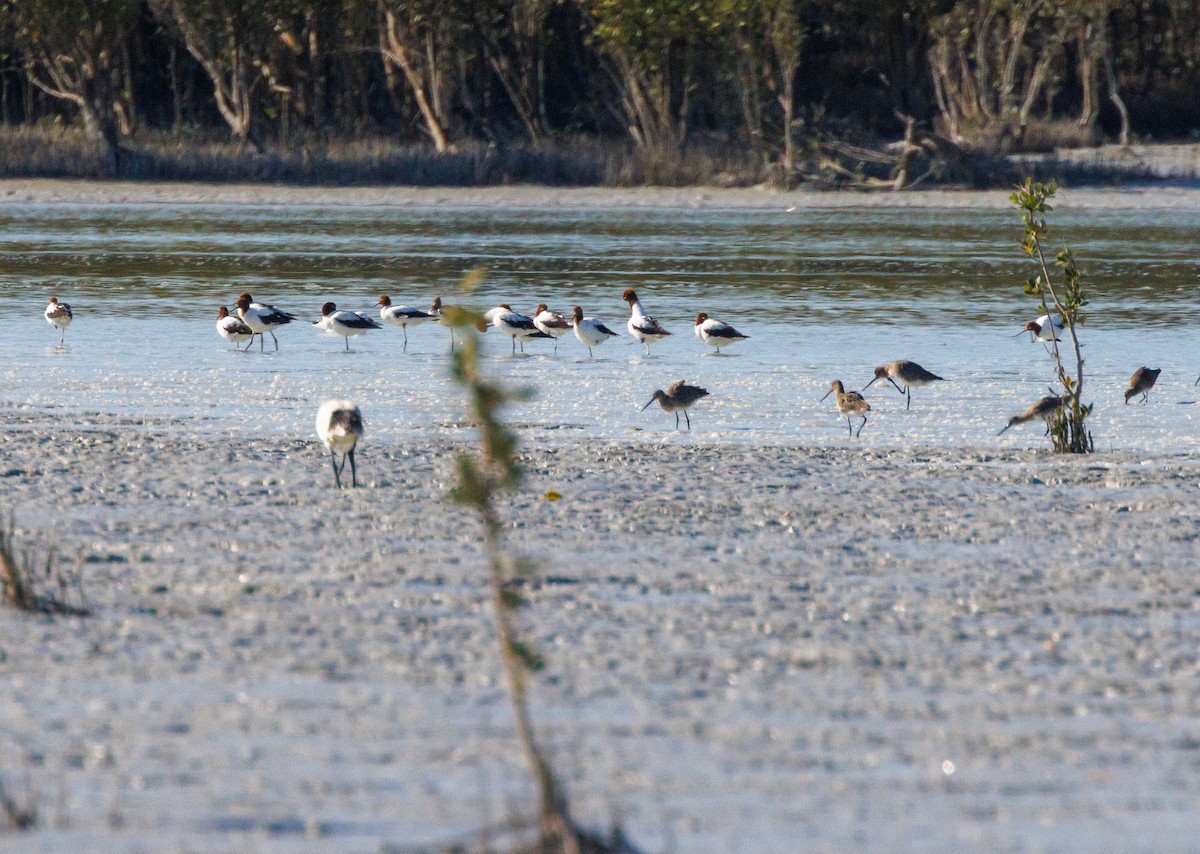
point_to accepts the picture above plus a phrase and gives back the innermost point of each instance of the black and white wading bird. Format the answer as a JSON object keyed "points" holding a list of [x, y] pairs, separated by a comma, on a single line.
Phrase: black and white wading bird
{"points": [[339, 427], [1044, 410], [261, 318], [402, 315], [551, 323], [233, 329], [677, 398], [642, 326], [58, 314], [344, 323], [849, 403], [716, 333], [1141, 382], [515, 325], [590, 331], [904, 375]]}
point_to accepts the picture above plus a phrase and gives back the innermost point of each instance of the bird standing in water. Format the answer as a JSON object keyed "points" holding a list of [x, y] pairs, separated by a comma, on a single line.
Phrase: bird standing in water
{"points": [[909, 373], [1141, 382], [677, 398], [849, 403], [1044, 410]]}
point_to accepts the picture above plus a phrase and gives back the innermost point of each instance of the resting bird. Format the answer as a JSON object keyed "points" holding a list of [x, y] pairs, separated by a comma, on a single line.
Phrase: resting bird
{"points": [[1141, 382], [1044, 410], [551, 323], [233, 329], [909, 373], [344, 323], [402, 315], [590, 331], [339, 427], [677, 398], [849, 403], [58, 314], [715, 333], [642, 326], [515, 325]]}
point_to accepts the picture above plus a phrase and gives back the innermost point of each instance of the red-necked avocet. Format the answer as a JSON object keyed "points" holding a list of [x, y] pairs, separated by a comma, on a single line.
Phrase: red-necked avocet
{"points": [[642, 326], [1044, 410], [677, 398], [339, 427], [402, 315], [344, 323], [716, 333], [516, 326], [1046, 328], [904, 373], [1141, 382], [551, 323], [58, 314], [261, 318], [590, 331], [849, 403], [439, 313], [233, 329]]}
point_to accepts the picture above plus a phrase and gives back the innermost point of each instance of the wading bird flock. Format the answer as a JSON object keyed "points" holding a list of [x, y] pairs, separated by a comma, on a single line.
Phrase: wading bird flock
{"points": [[339, 422]]}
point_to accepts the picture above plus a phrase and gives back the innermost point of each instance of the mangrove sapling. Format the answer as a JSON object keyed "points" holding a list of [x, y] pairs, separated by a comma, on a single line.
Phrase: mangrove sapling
{"points": [[1068, 430], [23, 588], [481, 479]]}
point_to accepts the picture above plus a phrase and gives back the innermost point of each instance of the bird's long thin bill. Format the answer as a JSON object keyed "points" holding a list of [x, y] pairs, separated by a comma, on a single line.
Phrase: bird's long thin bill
{"points": [[1022, 332], [643, 409], [827, 394], [867, 386]]}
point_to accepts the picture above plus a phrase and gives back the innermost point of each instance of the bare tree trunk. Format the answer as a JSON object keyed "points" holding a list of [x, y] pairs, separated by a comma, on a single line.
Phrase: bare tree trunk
{"points": [[1115, 96], [396, 51]]}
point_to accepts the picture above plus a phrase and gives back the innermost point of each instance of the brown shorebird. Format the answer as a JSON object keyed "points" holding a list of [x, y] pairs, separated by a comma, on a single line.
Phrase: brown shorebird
{"points": [[909, 373], [1141, 382], [339, 427], [716, 333], [849, 403], [642, 326], [677, 398], [1044, 410]]}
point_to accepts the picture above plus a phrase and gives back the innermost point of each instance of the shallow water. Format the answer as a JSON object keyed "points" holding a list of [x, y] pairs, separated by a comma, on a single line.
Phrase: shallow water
{"points": [[824, 294]]}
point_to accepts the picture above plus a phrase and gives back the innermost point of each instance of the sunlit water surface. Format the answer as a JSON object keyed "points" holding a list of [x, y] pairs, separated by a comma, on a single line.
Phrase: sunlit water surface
{"points": [[823, 295]]}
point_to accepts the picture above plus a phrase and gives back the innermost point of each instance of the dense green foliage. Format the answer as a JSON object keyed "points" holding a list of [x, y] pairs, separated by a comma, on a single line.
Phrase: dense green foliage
{"points": [[758, 76]]}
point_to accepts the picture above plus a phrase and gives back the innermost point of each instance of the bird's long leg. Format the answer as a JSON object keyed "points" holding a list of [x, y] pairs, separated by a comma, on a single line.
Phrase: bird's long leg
{"points": [[894, 385], [404, 329], [62, 339], [687, 419], [860, 426], [347, 343], [276, 340], [337, 475], [514, 352], [592, 356], [849, 425], [353, 470], [908, 397]]}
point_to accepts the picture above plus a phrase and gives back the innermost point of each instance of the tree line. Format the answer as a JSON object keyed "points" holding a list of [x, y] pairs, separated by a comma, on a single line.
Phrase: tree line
{"points": [[766, 76]]}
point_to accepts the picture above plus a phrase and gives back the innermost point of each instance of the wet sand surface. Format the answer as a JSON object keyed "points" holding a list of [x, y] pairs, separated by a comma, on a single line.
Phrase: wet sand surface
{"points": [[751, 649]]}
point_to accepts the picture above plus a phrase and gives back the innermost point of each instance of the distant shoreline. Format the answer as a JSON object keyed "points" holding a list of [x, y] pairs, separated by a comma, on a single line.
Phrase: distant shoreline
{"points": [[92, 192]]}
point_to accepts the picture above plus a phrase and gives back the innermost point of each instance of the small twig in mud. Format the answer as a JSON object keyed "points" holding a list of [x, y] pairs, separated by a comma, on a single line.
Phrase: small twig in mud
{"points": [[20, 582], [482, 478]]}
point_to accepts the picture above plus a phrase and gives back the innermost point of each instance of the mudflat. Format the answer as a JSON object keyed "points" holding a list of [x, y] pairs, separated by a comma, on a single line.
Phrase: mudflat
{"points": [[749, 648]]}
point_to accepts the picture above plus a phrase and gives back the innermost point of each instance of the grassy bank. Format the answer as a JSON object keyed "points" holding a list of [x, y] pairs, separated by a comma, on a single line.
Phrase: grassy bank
{"points": [[57, 151]]}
